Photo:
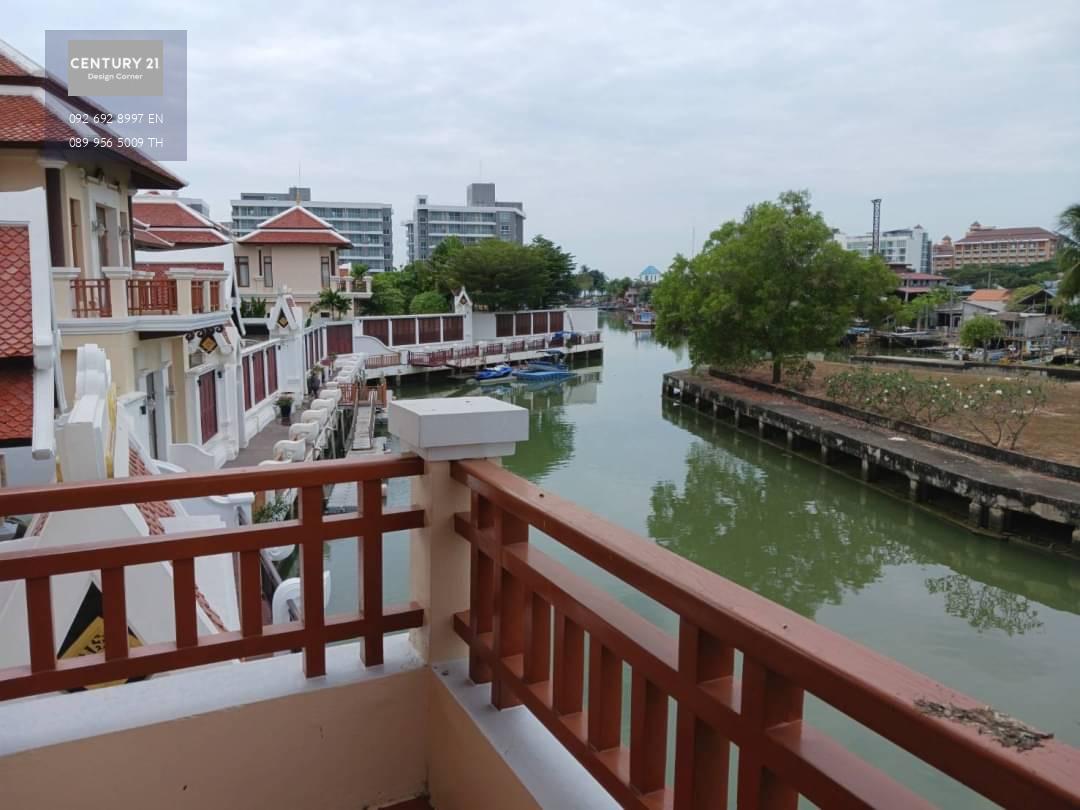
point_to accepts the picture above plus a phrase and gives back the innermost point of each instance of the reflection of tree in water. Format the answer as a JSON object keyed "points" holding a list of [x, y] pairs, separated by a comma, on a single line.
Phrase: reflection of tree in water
{"points": [[985, 606], [786, 538], [551, 437]]}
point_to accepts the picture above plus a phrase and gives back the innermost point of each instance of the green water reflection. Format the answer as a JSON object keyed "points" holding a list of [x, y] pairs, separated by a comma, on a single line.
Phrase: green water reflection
{"points": [[996, 621]]}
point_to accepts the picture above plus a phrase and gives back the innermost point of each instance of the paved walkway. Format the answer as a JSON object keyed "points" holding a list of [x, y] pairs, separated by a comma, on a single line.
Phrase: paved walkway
{"points": [[261, 446]]}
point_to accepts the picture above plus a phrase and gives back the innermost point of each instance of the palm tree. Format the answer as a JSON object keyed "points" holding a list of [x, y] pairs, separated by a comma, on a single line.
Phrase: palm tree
{"points": [[1068, 254], [333, 301]]}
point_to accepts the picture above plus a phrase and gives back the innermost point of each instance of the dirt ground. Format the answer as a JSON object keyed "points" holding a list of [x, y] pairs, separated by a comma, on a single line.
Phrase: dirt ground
{"points": [[1053, 433]]}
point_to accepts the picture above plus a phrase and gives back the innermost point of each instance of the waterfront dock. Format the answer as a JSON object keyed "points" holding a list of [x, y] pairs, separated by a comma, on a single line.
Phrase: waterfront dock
{"points": [[1000, 498]]}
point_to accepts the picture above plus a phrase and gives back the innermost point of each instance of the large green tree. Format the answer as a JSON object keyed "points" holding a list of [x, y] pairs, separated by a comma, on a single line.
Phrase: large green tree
{"points": [[558, 268], [387, 296], [499, 275], [428, 303], [980, 332], [774, 283], [1068, 255]]}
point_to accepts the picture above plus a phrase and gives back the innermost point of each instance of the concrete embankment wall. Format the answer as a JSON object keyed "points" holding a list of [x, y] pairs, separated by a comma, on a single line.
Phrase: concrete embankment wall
{"points": [[999, 454], [998, 497], [1063, 373]]}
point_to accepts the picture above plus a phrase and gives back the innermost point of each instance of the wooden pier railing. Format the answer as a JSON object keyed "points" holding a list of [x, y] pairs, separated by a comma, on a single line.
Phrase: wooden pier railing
{"points": [[382, 360], [370, 621], [526, 629]]}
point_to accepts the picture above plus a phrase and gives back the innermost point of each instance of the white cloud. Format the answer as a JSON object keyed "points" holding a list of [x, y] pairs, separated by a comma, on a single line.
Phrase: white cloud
{"points": [[622, 126]]}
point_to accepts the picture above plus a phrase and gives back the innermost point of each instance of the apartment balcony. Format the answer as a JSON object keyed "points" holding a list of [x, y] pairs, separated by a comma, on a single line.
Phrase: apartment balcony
{"points": [[123, 299], [499, 682]]}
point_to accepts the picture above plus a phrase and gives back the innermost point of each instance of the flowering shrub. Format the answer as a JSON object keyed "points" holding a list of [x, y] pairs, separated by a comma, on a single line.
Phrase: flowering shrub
{"points": [[797, 372], [998, 409]]}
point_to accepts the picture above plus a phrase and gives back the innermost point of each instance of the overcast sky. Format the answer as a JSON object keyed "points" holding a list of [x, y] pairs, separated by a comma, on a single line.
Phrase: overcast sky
{"points": [[624, 130]]}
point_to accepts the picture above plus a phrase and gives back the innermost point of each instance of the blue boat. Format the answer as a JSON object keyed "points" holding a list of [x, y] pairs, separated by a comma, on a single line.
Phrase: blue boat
{"points": [[542, 374], [553, 363], [493, 375]]}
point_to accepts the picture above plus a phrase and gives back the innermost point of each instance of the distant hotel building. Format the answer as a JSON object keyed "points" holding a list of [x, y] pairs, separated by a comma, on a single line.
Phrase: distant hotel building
{"points": [[906, 246], [482, 217], [987, 245], [365, 225]]}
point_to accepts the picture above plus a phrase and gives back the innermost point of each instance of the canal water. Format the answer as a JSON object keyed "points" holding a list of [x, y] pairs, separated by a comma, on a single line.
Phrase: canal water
{"points": [[996, 621]]}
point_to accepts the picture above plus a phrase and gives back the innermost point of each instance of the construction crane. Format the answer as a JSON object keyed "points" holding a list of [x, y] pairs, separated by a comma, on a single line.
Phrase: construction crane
{"points": [[875, 239]]}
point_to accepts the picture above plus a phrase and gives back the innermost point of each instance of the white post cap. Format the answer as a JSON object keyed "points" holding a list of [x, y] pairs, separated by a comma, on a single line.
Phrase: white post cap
{"points": [[451, 428]]}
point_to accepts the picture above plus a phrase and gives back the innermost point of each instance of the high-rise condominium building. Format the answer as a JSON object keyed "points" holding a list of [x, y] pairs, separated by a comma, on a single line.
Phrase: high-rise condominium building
{"points": [[482, 217], [986, 245], [365, 225], [910, 246]]}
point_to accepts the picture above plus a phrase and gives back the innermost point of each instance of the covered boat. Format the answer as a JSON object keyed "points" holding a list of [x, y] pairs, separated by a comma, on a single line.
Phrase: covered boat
{"points": [[493, 375]]}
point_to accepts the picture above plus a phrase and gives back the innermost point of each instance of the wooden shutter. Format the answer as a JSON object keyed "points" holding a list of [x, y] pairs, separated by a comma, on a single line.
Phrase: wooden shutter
{"points": [[271, 369], [208, 405], [429, 329], [259, 367], [555, 322], [522, 324], [380, 330], [540, 323], [404, 331], [453, 328], [504, 325], [247, 382]]}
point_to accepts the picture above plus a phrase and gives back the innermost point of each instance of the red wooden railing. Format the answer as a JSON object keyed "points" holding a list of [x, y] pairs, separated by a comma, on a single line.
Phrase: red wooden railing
{"points": [[465, 352], [382, 360], [90, 298], [311, 633], [526, 628], [535, 343], [152, 296], [590, 337], [515, 346], [436, 358], [197, 305], [492, 349]]}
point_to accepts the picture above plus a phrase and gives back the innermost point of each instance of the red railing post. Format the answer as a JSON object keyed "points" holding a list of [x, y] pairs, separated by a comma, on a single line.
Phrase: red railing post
{"points": [[509, 601], [311, 581], [371, 584]]}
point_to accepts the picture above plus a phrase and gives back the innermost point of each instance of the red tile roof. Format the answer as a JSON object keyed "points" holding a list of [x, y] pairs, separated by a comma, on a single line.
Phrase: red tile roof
{"points": [[16, 302], [166, 214], [24, 119], [10, 68], [989, 295], [152, 511], [144, 237], [294, 226], [294, 238], [1005, 234], [194, 236], [294, 217], [16, 400]]}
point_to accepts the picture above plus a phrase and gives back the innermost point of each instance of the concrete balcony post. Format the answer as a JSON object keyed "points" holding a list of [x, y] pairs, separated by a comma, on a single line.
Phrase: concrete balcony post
{"points": [[118, 278], [184, 279], [442, 431], [61, 280]]}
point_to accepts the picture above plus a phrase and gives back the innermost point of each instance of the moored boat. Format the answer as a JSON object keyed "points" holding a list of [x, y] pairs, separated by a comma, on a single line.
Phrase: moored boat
{"points": [[643, 319], [493, 375]]}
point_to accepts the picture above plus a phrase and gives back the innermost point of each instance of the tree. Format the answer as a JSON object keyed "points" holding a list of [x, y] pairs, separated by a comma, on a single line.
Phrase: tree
{"points": [[429, 302], [559, 269], [499, 275], [920, 307], [980, 331], [444, 252], [1068, 254], [387, 297], [334, 301], [358, 270], [774, 283]]}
